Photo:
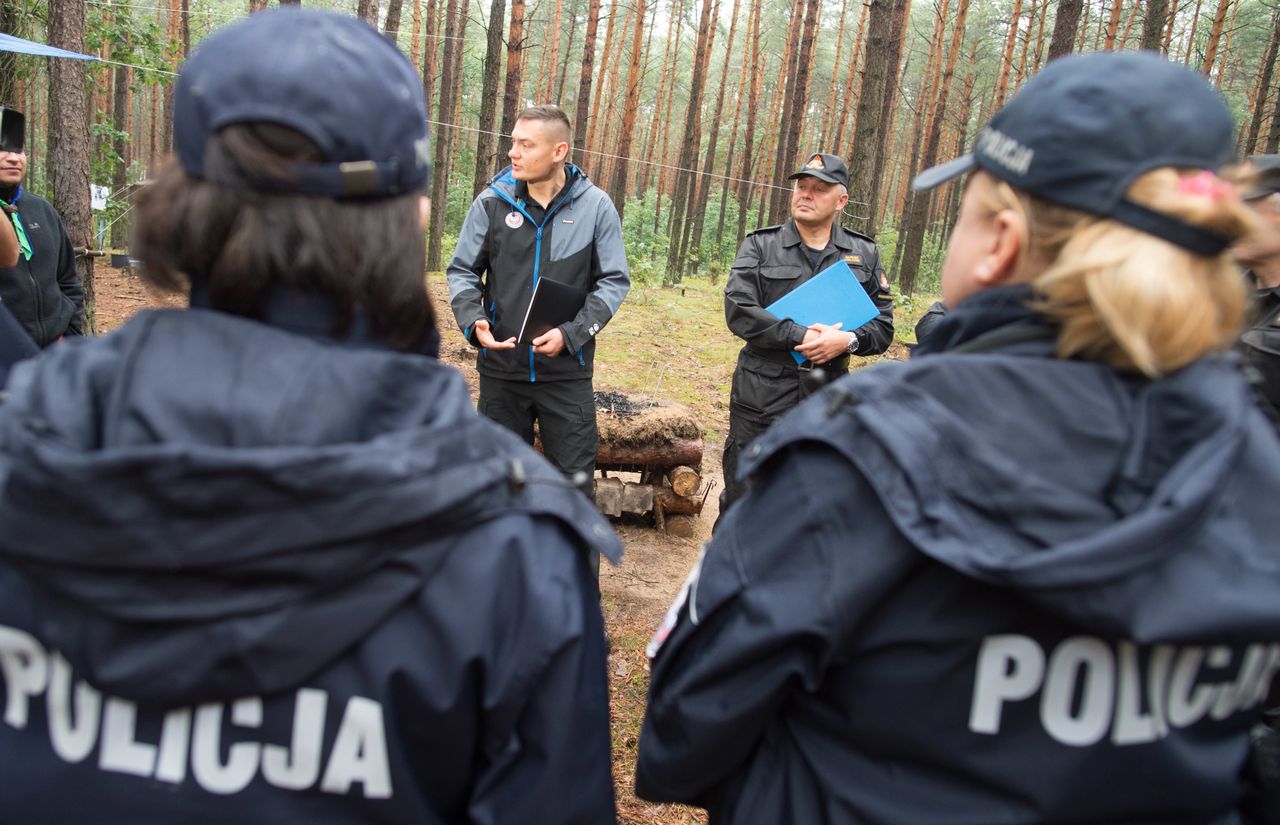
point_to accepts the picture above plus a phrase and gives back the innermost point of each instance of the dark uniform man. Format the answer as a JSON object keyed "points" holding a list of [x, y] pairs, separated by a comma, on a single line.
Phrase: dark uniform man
{"points": [[771, 262], [43, 289], [1261, 343]]}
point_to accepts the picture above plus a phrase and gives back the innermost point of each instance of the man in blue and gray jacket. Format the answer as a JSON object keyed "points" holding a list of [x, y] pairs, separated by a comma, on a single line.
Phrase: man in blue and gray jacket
{"points": [[540, 217]]}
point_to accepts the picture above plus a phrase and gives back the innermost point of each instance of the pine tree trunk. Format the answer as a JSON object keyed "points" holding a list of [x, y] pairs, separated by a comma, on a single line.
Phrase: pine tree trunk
{"points": [[1153, 25], [258, 5], [797, 99], [852, 88], [547, 81], [564, 62], [68, 153], [867, 132], [366, 10], [488, 145], [1191, 37], [1215, 37], [704, 181], [731, 153], [1044, 12], [511, 89], [1226, 45], [120, 143], [685, 250], [1265, 73], [1006, 59], [829, 110], [1065, 24], [430, 48], [749, 131], [444, 134], [415, 43], [688, 146], [1113, 25], [635, 72], [668, 111], [1128, 24], [888, 110], [602, 86], [391, 26], [9, 24], [1026, 41], [915, 224], [584, 81]]}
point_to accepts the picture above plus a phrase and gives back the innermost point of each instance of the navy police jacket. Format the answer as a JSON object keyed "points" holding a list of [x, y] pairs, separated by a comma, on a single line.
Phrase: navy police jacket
{"points": [[982, 587], [248, 576]]}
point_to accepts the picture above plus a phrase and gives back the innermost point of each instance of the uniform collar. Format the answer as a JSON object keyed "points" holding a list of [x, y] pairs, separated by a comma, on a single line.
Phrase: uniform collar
{"points": [[839, 238]]}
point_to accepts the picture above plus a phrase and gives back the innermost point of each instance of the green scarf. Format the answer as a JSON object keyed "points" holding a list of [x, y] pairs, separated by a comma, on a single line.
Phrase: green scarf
{"points": [[20, 231]]}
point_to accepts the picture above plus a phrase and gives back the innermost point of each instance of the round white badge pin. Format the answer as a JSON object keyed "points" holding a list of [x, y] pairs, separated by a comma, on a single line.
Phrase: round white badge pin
{"points": [[515, 220]]}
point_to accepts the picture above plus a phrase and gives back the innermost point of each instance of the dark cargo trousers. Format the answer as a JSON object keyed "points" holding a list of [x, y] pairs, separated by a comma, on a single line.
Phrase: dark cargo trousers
{"points": [[565, 412], [764, 391]]}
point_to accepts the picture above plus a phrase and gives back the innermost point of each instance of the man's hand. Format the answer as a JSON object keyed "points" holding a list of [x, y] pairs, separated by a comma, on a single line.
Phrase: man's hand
{"points": [[486, 339], [823, 343], [549, 343]]}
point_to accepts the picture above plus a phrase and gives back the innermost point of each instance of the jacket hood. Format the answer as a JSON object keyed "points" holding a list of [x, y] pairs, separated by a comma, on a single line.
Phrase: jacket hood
{"points": [[234, 506], [1142, 509]]}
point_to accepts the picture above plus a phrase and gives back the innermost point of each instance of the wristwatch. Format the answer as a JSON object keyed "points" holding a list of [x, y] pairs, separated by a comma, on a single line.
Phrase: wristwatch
{"points": [[852, 349]]}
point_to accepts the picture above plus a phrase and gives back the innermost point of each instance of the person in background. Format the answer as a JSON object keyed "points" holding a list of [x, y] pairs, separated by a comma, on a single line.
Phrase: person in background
{"points": [[1260, 343], [260, 559], [41, 288], [1029, 576], [771, 262], [929, 321], [541, 217]]}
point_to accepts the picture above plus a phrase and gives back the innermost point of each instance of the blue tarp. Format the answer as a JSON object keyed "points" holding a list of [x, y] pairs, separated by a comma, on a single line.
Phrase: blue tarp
{"points": [[9, 43]]}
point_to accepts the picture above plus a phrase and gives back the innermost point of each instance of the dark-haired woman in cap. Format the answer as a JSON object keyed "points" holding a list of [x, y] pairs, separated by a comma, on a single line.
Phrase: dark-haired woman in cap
{"points": [[1057, 595], [260, 560]]}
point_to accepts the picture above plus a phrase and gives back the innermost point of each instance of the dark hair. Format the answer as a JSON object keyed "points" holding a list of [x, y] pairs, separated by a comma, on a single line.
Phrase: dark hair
{"points": [[363, 255], [549, 112]]}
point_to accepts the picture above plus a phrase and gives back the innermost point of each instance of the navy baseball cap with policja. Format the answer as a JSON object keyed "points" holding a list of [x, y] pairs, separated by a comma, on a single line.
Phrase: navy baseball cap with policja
{"points": [[1085, 127], [829, 168], [328, 76]]}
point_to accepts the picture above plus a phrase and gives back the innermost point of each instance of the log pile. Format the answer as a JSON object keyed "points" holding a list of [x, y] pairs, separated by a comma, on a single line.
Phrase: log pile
{"points": [[662, 442]]}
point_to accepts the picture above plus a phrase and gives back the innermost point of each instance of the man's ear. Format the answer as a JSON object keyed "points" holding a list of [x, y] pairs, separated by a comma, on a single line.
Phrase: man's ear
{"points": [[560, 152], [424, 211], [1000, 263]]}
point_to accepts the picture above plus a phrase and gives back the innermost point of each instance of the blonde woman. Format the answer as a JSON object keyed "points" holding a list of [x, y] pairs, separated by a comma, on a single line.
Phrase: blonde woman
{"points": [[1032, 576]]}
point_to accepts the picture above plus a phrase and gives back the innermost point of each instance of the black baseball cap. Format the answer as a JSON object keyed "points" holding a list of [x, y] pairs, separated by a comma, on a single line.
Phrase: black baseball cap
{"points": [[1086, 126], [329, 76], [1266, 168], [824, 167]]}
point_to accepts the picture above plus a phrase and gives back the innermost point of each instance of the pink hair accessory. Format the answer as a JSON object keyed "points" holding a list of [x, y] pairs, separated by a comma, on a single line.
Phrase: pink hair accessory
{"points": [[1205, 184]]}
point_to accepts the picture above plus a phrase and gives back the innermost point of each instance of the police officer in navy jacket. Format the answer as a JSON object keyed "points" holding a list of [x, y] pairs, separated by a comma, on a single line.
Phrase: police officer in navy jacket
{"points": [[1030, 576], [260, 560]]}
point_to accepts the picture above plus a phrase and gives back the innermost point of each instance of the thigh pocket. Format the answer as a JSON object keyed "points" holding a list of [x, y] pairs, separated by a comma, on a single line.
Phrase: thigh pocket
{"points": [[763, 390]]}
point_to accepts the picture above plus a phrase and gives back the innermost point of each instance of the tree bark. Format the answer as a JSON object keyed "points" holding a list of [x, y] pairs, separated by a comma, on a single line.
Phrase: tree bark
{"points": [[366, 10], [915, 228], [593, 125], [120, 144], [430, 48], [867, 132], [584, 79], [1065, 24], [391, 27], [704, 181], [10, 23], [511, 90], [488, 145], [444, 134], [635, 71], [548, 80], [829, 109], [888, 110], [1265, 73], [748, 139], [852, 88], [1153, 25], [1215, 37], [1113, 24], [564, 62], [68, 154], [688, 147], [1006, 59]]}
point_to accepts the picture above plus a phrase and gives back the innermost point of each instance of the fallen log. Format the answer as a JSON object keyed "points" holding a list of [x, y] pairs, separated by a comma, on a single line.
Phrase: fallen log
{"points": [[685, 481], [686, 452]]}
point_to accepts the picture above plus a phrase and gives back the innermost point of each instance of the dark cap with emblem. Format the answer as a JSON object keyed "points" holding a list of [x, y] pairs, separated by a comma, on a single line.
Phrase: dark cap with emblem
{"points": [[1086, 126], [1266, 181], [328, 76], [824, 167]]}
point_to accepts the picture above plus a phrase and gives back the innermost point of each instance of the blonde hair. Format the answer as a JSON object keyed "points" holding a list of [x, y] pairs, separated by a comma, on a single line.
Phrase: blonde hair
{"points": [[1126, 298]]}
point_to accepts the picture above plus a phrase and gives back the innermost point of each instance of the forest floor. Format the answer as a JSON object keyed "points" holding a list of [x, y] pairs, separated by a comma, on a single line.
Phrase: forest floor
{"points": [[664, 343]]}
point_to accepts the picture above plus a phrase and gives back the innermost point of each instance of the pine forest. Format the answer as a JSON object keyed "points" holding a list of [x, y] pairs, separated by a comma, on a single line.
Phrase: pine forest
{"points": [[690, 113]]}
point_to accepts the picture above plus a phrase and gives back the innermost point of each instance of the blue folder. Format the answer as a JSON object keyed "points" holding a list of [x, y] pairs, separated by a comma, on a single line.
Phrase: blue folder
{"points": [[833, 296]]}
